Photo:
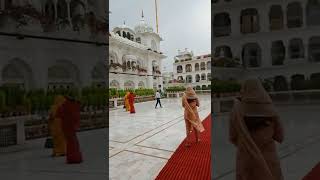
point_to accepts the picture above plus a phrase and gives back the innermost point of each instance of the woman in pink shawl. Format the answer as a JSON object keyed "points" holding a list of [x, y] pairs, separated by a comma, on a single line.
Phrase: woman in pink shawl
{"points": [[190, 102], [254, 129]]}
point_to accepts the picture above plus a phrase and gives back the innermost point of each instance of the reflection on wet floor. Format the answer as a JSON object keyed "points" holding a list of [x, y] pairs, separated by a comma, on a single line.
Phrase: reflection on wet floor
{"points": [[297, 152]]}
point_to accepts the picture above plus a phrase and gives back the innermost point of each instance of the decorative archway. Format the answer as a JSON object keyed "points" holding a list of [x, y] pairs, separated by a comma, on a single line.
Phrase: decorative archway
{"points": [[251, 55], [129, 85], [276, 17], [294, 15], [99, 74], [114, 84], [141, 84], [17, 73], [63, 74]]}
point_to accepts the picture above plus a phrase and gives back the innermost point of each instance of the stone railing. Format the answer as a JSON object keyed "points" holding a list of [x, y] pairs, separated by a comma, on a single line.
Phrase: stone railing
{"points": [[174, 94], [14, 131], [118, 102], [224, 104], [37, 127]]}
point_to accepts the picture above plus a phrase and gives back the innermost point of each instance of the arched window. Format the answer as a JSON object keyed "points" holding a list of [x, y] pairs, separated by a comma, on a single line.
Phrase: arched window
{"points": [[124, 34], [251, 55], [209, 76], [223, 51], [278, 52], [203, 66], [129, 85], [298, 82], [209, 65], [296, 48], [189, 79], [249, 21], [315, 80], [276, 17], [221, 25], [314, 49], [62, 9], [179, 69], [203, 77], [197, 67], [114, 84], [49, 10], [188, 68], [197, 78], [128, 65], [294, 15], [128, 35], [280, 84], [141, 84], [313, 13]]}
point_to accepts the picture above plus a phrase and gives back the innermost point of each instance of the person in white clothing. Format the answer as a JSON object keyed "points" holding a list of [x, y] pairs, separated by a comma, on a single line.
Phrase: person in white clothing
{"points": [[158, 97]]}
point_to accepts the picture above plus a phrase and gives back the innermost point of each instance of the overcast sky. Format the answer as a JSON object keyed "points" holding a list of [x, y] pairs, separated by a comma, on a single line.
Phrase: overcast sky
{"points": [[182, 23]]}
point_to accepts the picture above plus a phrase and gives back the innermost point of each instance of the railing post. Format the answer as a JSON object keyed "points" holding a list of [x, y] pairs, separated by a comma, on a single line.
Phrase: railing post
{"points": [[20, 131], [115, 103]]}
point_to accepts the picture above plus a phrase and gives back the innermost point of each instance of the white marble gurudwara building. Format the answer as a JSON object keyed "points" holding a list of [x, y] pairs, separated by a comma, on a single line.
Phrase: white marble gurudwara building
{"points": [[53, 43], [192, 70], [135, 57], [274, 40]]}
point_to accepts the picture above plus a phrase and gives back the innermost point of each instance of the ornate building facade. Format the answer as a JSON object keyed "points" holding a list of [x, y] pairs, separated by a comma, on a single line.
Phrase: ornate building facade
{"points": [[275, 40], [53, 43], [192, 70], [135, 58]]}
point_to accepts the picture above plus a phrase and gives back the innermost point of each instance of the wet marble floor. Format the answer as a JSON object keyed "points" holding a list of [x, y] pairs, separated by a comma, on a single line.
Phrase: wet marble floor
{"points": [[299, 152], [34, 162], [140, 144]]}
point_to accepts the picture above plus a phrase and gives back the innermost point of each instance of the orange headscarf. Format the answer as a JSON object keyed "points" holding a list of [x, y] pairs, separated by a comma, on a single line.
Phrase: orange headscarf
{"points": [[190, 114]]}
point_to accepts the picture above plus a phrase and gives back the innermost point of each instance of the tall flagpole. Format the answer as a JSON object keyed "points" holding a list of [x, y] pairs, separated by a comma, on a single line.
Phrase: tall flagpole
{"points": [[157, 16]]}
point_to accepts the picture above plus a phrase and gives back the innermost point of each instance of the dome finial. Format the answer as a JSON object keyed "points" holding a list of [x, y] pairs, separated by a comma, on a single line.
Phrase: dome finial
{"points": [[142, 14]]}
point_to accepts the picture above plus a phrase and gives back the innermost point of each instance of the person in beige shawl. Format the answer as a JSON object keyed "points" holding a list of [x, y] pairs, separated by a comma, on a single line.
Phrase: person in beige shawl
{"points": [[190, 102], [254, 129]]}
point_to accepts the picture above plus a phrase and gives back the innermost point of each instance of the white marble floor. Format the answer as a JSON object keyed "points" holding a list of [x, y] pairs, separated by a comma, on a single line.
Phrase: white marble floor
{"points": [[34, 161], [140, 144], [299, 152]]}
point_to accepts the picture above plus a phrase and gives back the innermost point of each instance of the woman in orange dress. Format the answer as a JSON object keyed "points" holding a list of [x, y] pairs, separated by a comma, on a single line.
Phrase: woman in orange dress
{"points": [[190, 102], [131, 102], [55, 127], [254, 129], [70, 115], [126, 101]]}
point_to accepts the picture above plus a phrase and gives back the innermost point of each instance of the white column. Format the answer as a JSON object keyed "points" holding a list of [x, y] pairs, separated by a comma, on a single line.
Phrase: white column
{"points": [[266, 59], [306, 48], [235, 22], [287, 52], [69, 13], [263, 18], [149, 78], [20, 131], [55, 9], [285, 19]]}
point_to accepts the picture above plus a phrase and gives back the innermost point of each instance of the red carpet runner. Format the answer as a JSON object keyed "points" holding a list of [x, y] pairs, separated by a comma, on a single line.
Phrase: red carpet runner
{"points": [[190, 163], [314, 174]]}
